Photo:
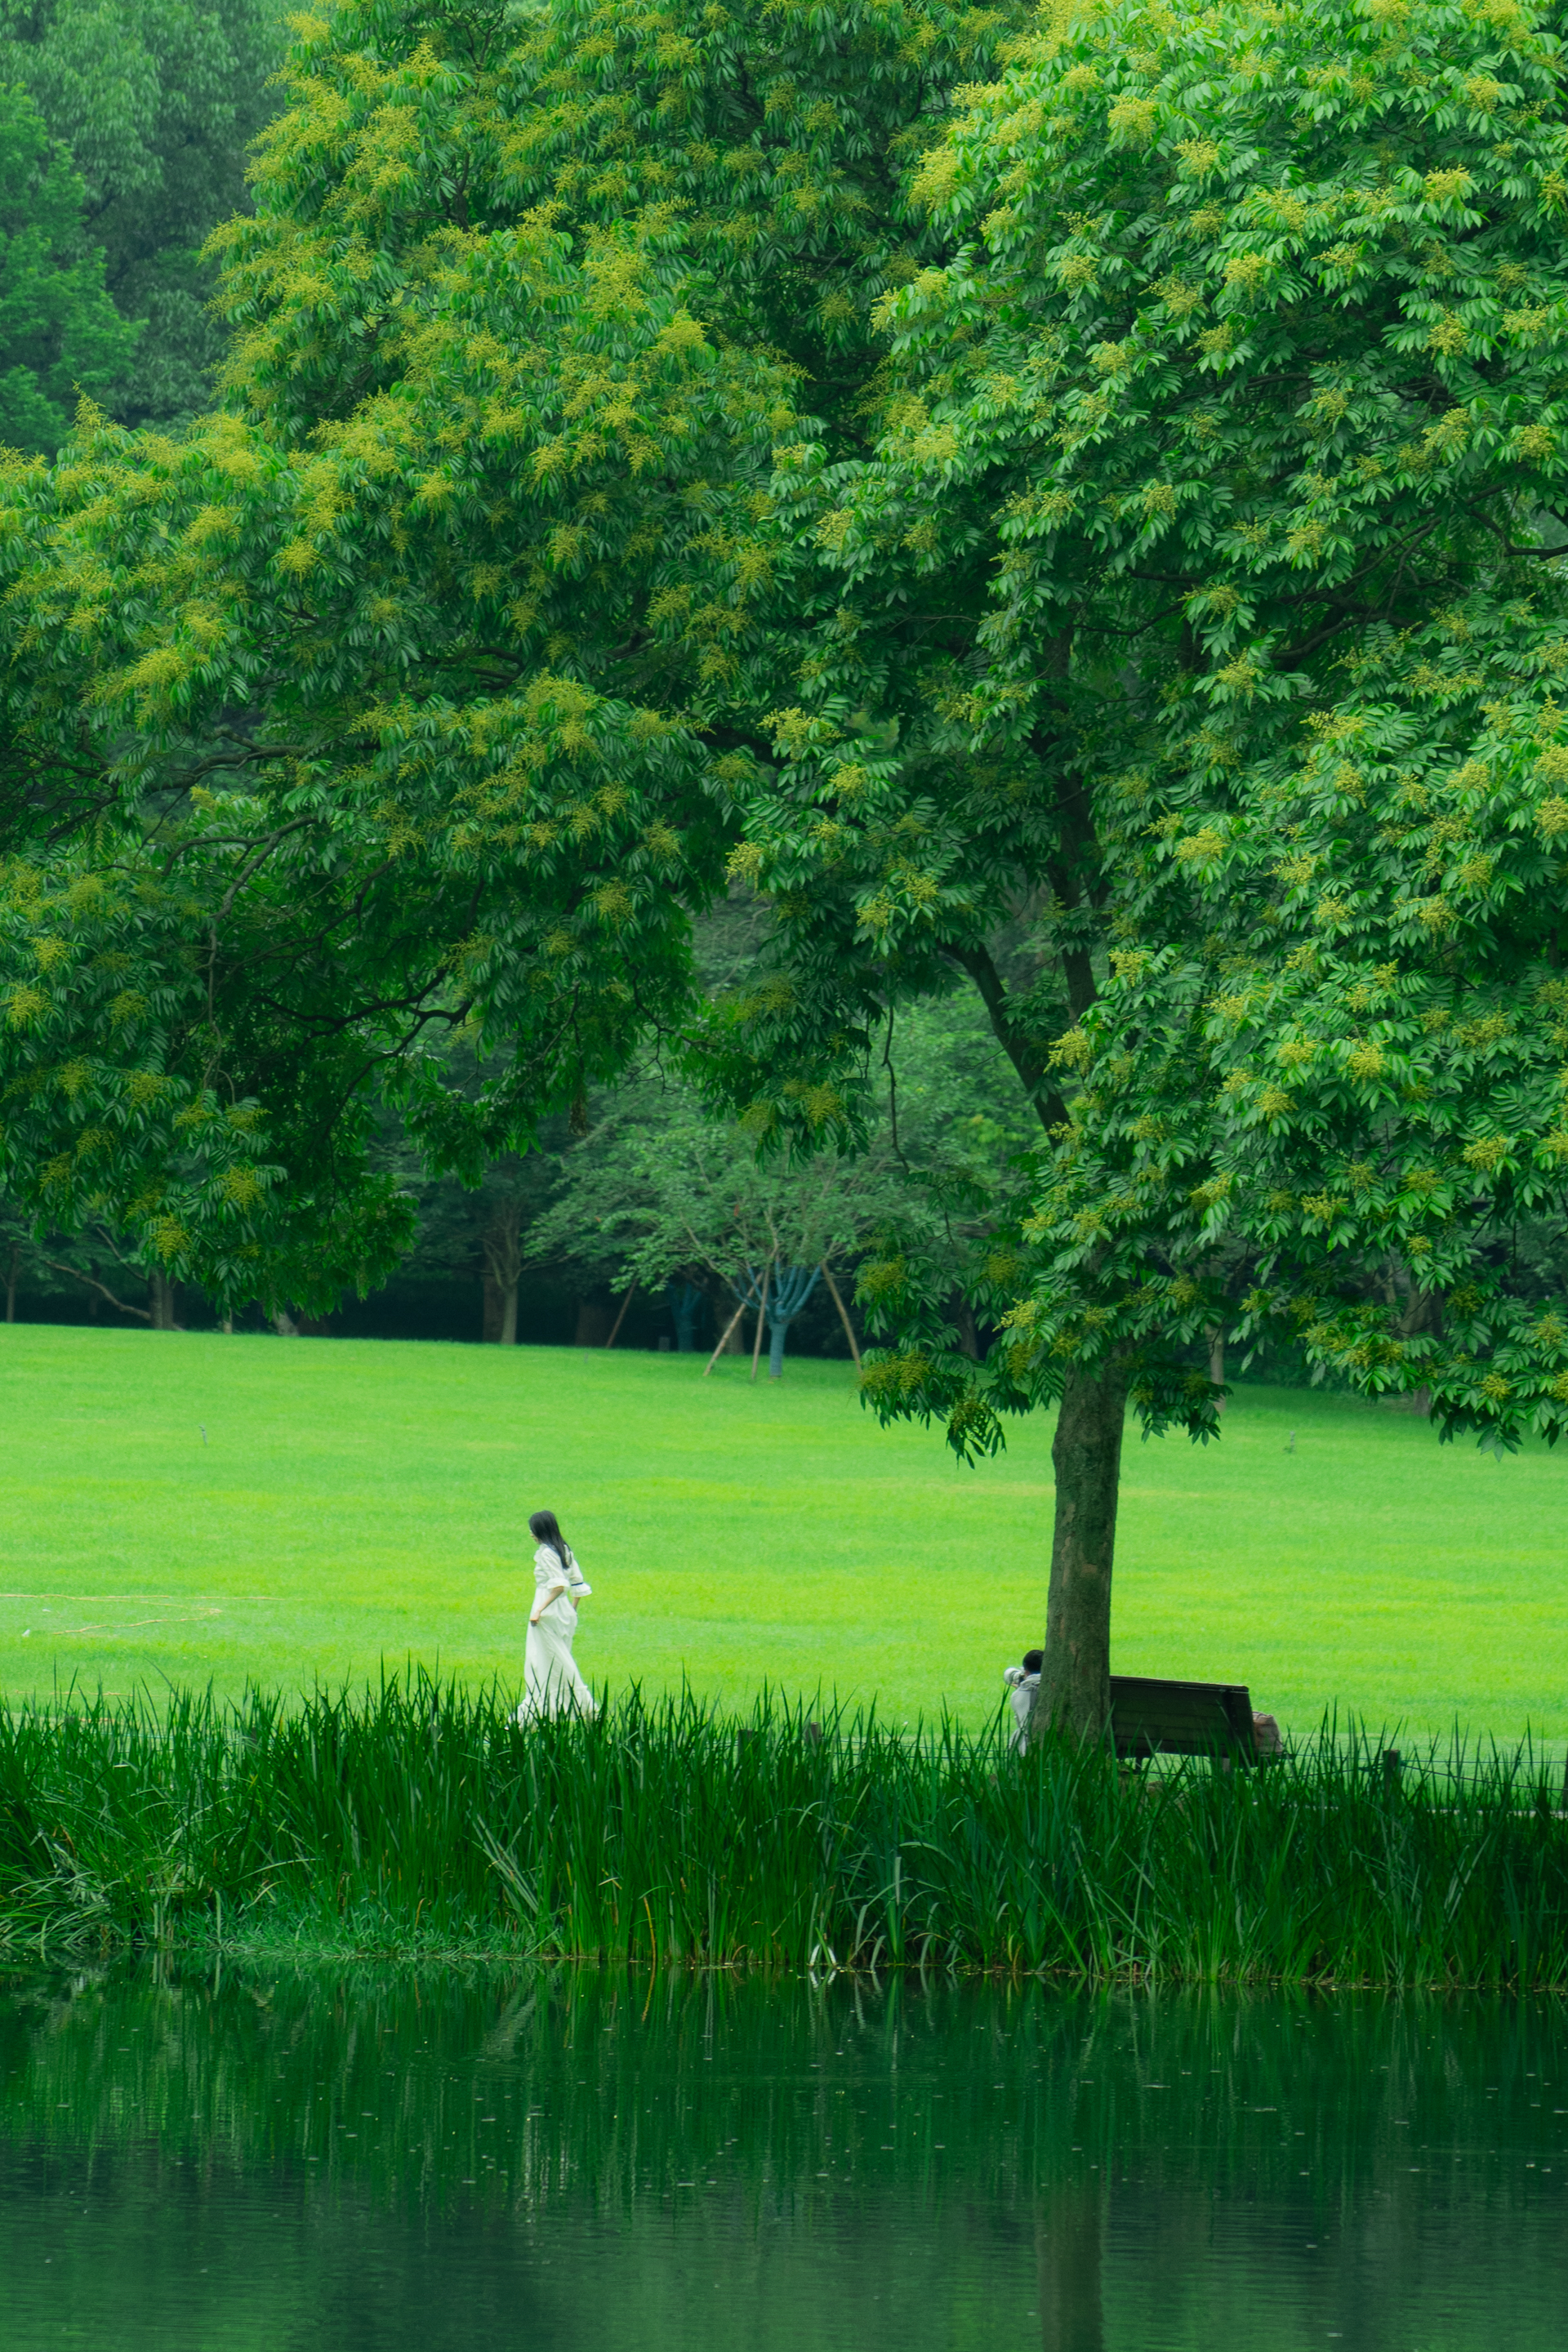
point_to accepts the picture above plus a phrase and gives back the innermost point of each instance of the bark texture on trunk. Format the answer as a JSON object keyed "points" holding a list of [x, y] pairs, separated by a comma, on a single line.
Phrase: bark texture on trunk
{"points": [[592, 1324], [162, 1302], [1216, 1365], [1075, 1681]]}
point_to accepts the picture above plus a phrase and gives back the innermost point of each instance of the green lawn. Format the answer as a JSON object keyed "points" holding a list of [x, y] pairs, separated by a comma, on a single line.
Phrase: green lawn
{"points": [[357, 1501]]}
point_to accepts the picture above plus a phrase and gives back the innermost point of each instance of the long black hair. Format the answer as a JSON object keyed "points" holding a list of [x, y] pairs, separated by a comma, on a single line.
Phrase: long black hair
{"points": [[545, 1529]]}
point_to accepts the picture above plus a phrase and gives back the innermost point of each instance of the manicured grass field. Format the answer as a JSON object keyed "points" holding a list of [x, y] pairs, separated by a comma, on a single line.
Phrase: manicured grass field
{"points": [[355, 1501]]}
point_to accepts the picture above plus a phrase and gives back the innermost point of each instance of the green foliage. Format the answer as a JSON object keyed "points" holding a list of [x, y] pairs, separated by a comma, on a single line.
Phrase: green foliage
{"points": [[156, 102], [482, 840], [470, 583], [117, 1104], [1248, 362], [60, 336], [419, 130], [1377, 1023], [658, 1188], [666, 1833]]}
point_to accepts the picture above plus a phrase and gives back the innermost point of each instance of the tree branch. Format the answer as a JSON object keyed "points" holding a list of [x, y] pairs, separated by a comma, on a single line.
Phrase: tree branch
{"points": [[145, 1313]]}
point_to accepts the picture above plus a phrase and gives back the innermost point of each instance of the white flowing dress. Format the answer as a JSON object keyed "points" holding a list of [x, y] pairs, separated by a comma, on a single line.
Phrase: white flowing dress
{"points": [[551, 1684]]}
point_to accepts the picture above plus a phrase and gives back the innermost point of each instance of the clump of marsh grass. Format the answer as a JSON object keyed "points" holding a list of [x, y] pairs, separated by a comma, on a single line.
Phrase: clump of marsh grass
{"points": [[419, 1816]]}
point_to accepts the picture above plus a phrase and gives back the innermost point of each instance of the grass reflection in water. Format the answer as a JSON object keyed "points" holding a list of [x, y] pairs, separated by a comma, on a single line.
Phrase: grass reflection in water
{"points": [[575, 2156]]}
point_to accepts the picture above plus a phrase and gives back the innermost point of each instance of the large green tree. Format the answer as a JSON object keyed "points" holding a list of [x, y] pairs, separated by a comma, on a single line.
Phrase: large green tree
{"points": [[1249, 348], [418, 684]]}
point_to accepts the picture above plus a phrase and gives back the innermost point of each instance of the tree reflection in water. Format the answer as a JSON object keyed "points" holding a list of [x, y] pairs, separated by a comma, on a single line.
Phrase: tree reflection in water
{"points": [[576, 2158]]}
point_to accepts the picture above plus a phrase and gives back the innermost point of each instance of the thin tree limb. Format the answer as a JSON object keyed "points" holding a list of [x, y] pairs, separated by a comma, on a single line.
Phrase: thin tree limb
{"points": [[93, 1284], [615, 1331], [843, 1313], [720, 1349], [761, 1317]]}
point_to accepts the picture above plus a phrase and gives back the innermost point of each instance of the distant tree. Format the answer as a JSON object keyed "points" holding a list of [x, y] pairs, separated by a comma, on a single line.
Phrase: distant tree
{"points": [[156, 102], [661, 1195], [60, 335]]}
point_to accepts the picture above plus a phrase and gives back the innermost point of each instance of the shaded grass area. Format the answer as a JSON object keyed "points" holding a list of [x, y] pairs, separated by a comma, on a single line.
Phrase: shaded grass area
{"points": [[423, 1818], [193, 1508]]}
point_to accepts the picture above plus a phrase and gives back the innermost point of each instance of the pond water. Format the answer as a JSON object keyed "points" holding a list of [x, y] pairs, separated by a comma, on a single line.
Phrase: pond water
{"points": [[413, 2161]]}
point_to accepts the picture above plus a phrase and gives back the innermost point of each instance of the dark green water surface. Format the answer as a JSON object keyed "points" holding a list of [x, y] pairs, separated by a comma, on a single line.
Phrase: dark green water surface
{"points": [[570, 2161]]}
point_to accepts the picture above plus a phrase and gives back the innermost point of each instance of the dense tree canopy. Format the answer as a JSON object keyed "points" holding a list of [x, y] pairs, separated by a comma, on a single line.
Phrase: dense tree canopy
{"points": [[424, 665], [1355, 1049]]}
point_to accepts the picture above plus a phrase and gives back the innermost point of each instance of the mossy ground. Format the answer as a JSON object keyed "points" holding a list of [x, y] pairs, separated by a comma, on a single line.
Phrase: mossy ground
{"points": [[360, 1500]]}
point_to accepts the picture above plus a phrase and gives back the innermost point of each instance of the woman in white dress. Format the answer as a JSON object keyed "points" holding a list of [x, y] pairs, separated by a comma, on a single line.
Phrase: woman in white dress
{"points": [[551, 1684]]}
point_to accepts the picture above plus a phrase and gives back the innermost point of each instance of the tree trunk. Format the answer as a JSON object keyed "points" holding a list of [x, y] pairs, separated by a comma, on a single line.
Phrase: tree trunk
{"points": [[11, 1287], [1075, 1682], [1216, 1364], [503, 1270], [843, 1314], [162, 1302]]}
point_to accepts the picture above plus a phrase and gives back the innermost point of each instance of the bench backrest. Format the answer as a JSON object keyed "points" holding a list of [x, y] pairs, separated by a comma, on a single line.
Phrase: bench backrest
{"points": [[1151, 1717]]}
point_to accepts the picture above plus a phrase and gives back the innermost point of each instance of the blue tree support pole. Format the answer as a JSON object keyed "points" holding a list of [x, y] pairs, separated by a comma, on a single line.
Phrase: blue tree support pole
{"points": [[792, 1288]]}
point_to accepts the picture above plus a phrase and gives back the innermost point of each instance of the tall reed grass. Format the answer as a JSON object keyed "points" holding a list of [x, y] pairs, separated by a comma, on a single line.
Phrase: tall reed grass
{"points": [[420, 1817]]}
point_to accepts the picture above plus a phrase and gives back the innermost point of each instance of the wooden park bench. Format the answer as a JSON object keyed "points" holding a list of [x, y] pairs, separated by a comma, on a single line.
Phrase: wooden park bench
{"points": [[1149, 1717]]}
